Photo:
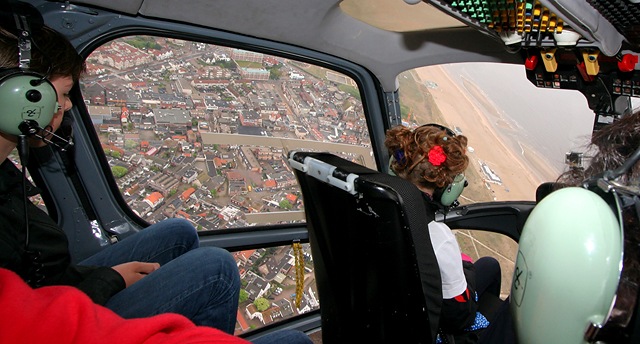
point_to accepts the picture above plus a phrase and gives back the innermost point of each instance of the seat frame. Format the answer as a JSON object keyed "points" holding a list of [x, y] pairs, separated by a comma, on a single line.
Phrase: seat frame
{"points": [[376, 271]]}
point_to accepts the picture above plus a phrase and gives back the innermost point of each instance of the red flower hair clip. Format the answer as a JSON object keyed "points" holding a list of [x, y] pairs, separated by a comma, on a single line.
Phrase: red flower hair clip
{"points": [[437, 156]]}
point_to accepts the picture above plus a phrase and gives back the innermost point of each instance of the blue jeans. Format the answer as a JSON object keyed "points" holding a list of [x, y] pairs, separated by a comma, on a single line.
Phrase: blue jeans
{"points": [[201, 283]]}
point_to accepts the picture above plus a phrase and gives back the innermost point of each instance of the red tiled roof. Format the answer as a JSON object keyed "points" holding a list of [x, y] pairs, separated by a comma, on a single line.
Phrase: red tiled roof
{"points": [[242, 321], [154, 197]]}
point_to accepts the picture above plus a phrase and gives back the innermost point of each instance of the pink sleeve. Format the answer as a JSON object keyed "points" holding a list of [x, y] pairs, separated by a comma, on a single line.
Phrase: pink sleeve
{"points": [[67, 316], [466, 258]]}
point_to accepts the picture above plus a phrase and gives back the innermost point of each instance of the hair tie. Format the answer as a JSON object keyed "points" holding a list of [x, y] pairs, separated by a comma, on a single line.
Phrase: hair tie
{"points": [[398, 154], [437, 156]]}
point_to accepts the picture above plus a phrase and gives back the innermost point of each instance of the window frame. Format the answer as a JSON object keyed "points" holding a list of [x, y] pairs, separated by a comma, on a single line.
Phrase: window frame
{"points": [[88, 144]]}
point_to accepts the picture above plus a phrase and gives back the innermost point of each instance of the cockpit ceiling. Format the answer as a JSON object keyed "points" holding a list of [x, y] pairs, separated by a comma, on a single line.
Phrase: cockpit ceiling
{"points": [[624, 16], [562, 43], [399, 16], [611, 25]]}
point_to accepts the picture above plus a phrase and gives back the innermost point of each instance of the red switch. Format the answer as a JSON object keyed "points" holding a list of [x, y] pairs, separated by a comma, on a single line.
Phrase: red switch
{"points": [[531, 62], [628, 62]]}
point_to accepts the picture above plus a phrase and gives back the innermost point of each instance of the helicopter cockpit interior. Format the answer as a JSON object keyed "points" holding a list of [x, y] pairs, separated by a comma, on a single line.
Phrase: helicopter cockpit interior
{"points": [[258, 80]]}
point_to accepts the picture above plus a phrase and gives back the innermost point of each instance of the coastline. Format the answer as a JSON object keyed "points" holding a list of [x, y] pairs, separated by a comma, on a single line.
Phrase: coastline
{"points": [[465, 107]]}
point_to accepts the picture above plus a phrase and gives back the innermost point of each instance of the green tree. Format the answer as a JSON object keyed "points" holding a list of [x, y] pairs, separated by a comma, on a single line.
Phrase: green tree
{"points": [[166, 74], [244, 295], [119, 171], [275, 73], [115, 154], [261, 304], [144, 43], [130, 144], [226, 64], [285, 204]]}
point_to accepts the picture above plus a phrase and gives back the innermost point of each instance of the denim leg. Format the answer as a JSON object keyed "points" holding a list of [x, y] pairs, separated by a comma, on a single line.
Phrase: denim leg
{"points": [[158, 243], [202, 284], [284, 337]]}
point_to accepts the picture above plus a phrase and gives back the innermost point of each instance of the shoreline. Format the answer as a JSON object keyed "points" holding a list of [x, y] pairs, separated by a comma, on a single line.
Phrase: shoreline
{"points": [[479, 120]]}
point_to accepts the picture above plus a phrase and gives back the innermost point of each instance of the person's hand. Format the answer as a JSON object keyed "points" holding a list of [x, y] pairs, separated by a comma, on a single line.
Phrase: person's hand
{"points": [[132, 272]]}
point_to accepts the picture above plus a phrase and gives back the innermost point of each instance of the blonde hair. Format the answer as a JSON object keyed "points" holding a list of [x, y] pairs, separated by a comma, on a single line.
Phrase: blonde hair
{"points": [[411, 159]]}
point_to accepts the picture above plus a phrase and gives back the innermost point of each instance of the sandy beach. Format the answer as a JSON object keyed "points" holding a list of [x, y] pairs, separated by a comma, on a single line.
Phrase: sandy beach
{"points": [[464, 107]]}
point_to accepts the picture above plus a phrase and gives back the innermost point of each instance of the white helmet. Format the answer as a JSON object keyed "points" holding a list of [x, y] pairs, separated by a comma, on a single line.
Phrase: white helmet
{"points": [[568, 268]]}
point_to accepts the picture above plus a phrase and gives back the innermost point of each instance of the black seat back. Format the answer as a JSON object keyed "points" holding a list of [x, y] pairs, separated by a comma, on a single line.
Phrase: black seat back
{"points": [[376, 271]]}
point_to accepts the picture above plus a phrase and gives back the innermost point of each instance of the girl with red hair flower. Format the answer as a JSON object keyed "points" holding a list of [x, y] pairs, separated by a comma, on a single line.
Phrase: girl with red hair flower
{"points": [[431, 157]]}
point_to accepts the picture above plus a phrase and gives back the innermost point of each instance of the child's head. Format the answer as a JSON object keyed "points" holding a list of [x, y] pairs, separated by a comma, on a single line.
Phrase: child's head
{"points": [[54, 61], [429, 156], [51, 54]]}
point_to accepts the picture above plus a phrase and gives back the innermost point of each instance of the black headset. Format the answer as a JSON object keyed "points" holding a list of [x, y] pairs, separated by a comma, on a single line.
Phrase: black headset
{"points": [[446, 196], [28, 100]]}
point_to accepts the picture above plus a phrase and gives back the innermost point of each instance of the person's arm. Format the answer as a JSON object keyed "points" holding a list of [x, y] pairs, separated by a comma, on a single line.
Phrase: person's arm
{"points": [[50, 241], [459, 305], [99, 283], [67, 316], [459, 312]]}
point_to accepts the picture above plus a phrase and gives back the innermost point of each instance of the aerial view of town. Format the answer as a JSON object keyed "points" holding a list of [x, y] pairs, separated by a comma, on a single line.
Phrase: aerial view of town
{"points": [[201, 132]]}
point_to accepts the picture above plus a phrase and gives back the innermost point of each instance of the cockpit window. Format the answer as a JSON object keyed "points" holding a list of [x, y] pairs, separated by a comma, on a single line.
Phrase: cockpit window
{"points": [[201, 131]]}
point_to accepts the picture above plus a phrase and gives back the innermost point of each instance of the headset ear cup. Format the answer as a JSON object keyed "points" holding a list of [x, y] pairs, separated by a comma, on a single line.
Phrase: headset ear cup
{"points": [[451, 192], [25, 95], [390, 170]]}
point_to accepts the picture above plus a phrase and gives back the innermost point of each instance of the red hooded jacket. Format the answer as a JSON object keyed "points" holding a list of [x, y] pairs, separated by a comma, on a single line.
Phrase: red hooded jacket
{"points": [[65, 315]]}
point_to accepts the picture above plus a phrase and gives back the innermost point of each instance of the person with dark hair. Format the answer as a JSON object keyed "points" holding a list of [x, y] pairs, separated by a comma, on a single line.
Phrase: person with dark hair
{"points": [[609, 148], [159, 270], [432, 157]]}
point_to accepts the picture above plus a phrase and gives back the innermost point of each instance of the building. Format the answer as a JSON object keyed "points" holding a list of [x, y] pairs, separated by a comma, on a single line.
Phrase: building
{"points": [[154, 200], [255, 73], [243, 55], [176, 120]]}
